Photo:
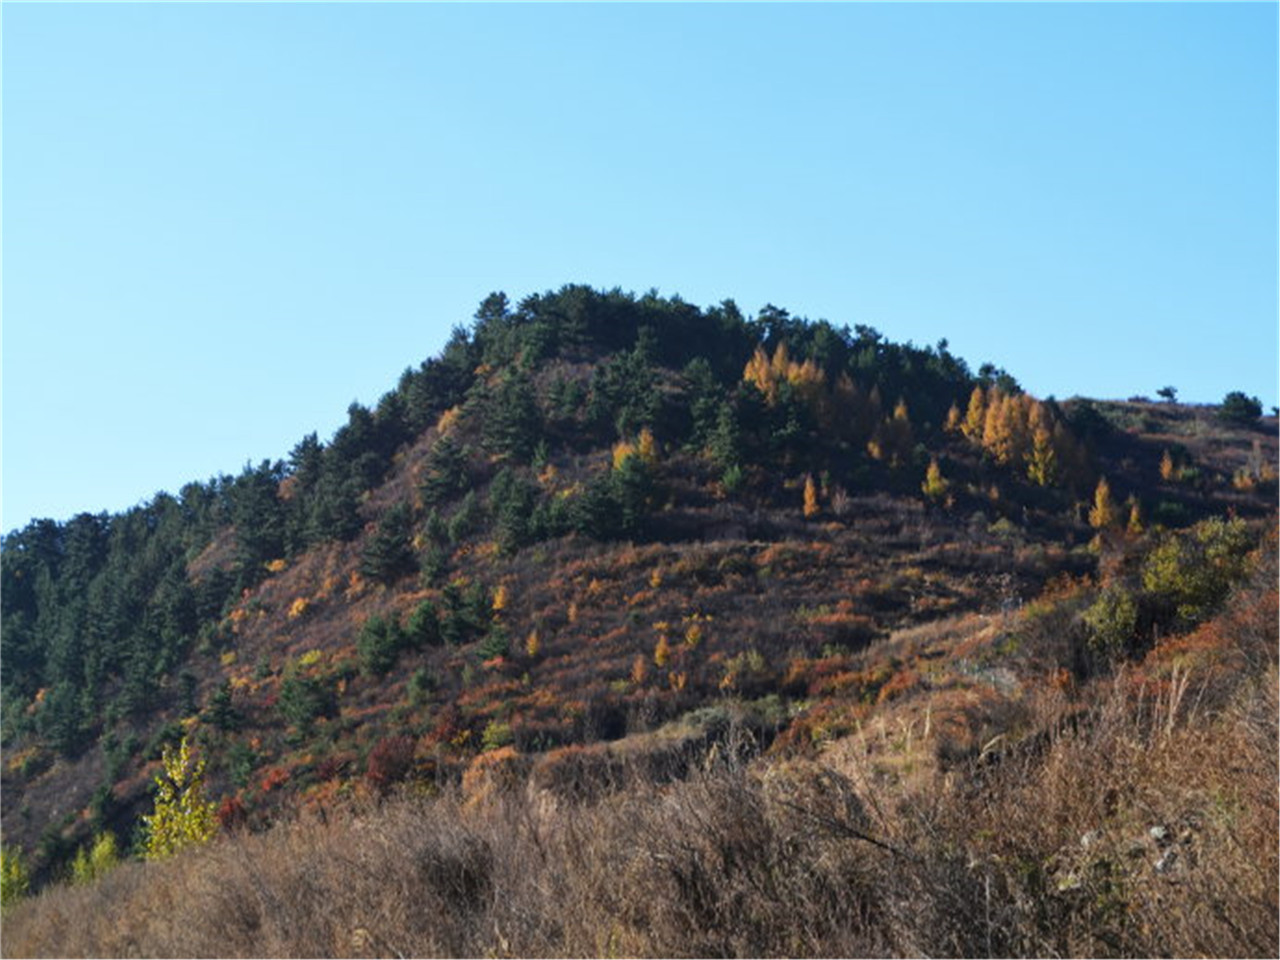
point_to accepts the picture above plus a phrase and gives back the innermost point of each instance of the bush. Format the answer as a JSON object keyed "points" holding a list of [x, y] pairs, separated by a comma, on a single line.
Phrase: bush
{"points": [[96, 860], [304, 699], [389, 762], [1238, 407], [14, 878], [1112, 620], [1193, 572]]}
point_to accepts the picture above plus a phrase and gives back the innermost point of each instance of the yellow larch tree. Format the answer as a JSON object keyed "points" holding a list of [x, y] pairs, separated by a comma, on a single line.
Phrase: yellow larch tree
{"points": [[1103, 514], [976, 416], [1135, 525], [811, 508], [1042, 461], [935, 485]]}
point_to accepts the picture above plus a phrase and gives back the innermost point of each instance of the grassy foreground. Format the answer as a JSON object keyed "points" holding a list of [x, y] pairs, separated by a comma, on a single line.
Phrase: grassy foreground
{"points": [[1144, 827]]}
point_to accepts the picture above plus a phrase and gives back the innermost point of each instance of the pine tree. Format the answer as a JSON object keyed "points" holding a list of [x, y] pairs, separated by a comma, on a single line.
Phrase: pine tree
{"points": [[445, 475], [388, 554]]}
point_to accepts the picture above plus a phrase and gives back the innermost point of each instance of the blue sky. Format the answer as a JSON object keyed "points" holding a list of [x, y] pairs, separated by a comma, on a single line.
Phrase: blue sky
{"points": [[222, 223]]}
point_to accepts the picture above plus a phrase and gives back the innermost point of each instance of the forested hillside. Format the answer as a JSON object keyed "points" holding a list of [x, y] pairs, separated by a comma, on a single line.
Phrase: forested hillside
{"points": [[608, 546]]}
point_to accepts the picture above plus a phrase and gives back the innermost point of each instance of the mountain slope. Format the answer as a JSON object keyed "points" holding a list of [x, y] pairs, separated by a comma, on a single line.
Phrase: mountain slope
{"points": [[587, 530]]}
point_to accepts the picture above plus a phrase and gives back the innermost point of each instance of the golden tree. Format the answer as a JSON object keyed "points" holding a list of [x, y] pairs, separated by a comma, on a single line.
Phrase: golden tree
{"points": [[811, 507], [954, 421], [1042, 461], [1103, 514], [893, 441], [1135, 526], [935, 485], [1166, 466], [182, 816], [662, 652], [976, 417]]}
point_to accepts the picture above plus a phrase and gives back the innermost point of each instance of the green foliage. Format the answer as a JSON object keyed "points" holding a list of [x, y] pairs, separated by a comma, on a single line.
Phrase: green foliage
{"points": [[466, 519], [622, 394], [388, 554], [423, 626], [1112, 621], [633, 489], [732, 479], [379, 645], [221, 712], [182, 817], [1239, 407], [497, 734], [445, 475], [726, 445], [95, 860], [1194, 571], [15, 880], [421, 683], [496, 643], [512, 422], [304, 699], [512, 498]]}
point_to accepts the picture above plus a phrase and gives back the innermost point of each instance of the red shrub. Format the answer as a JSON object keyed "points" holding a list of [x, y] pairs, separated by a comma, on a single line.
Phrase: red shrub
{"points": [[389, 762], [231, 813]]}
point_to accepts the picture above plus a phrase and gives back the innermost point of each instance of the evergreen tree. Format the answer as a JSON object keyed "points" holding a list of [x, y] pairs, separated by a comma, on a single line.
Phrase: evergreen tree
{"points": [[388, 554], [445, 475], [379, 645], [513, 423]]}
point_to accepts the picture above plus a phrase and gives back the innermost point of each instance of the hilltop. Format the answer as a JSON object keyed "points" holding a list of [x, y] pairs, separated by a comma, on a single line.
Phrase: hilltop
{"points": [[608, 547]]}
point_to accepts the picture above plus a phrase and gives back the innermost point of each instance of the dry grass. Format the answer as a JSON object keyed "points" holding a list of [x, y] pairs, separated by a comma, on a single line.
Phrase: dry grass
{"points": [[1136, 834]]}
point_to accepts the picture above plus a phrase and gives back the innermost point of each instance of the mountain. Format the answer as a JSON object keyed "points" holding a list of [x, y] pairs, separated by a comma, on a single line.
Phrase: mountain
{"points": [[604, 544]]}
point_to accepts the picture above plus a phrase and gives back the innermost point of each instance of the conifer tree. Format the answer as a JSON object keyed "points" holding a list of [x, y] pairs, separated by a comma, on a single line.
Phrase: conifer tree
{"points": [[811, 508], [1042, 462], [388, 554], [976, 416], [1135, 525], [935, 485], [1103, 514], [955, 421]]}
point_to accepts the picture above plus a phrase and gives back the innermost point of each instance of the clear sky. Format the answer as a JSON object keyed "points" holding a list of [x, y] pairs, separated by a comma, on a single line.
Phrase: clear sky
{"points": [[222, 223]]}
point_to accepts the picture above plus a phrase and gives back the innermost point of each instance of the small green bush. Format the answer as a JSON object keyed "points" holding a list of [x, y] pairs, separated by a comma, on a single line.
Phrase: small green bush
{"points": [[14, 878], [95, 860], [1112, 620]]}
